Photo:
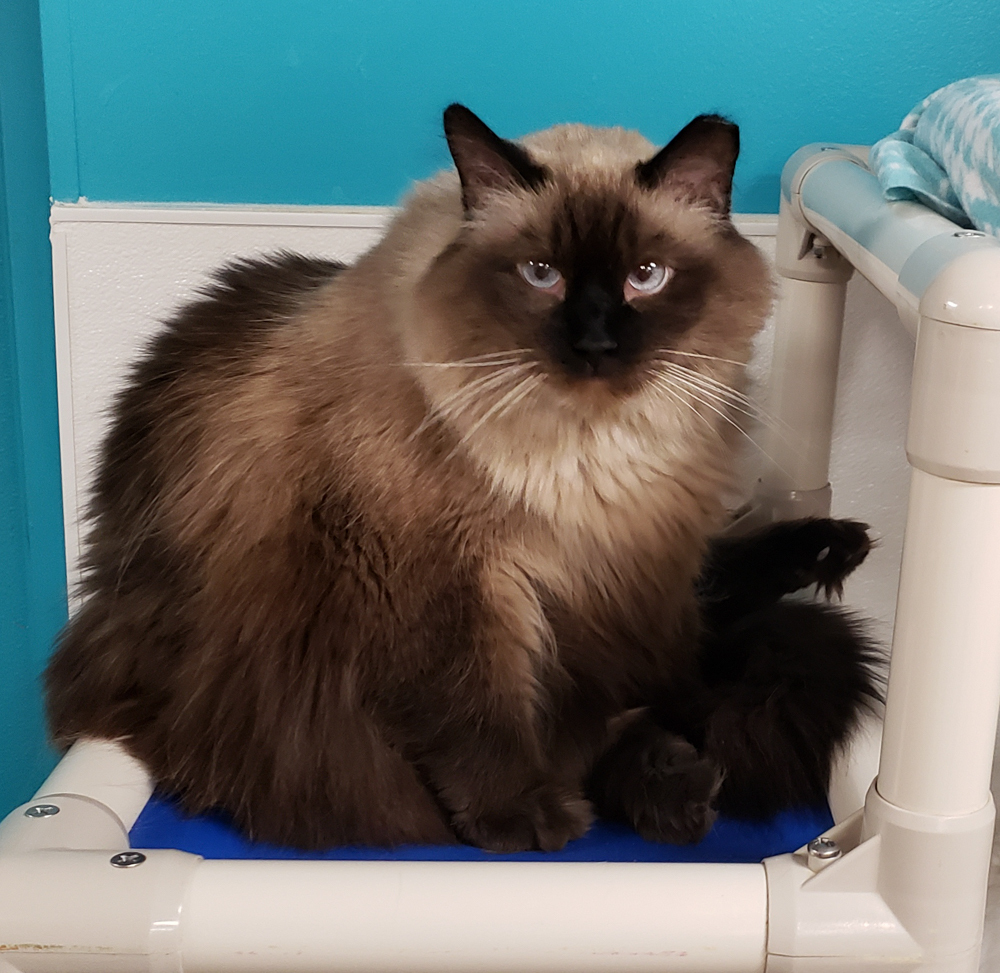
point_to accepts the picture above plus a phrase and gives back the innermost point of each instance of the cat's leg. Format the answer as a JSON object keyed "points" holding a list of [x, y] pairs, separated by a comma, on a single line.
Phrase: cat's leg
{"points": [[643, 772], [285, 750], [478, 732], [657, 782], [742, 574]]}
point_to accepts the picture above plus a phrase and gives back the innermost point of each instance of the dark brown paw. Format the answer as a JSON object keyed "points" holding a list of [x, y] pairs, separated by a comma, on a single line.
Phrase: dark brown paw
{"points": [[676, 793], [824, 551], [657, 782], [542, 820]]}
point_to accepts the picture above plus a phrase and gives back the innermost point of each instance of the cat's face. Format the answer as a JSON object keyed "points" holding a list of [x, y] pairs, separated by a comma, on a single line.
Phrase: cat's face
{"points": [[591, 265]]}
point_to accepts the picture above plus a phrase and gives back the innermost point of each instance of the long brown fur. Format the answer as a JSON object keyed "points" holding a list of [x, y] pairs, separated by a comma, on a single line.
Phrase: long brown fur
{"points": [[371, 559]]}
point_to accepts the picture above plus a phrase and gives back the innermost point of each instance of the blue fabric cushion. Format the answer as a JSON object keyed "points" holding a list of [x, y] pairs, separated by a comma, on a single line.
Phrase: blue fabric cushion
{"points": [[162, 825]]}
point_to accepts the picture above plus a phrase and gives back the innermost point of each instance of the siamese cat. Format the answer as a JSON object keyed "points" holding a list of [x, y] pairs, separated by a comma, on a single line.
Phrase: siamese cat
{"points": [[399, 552]]}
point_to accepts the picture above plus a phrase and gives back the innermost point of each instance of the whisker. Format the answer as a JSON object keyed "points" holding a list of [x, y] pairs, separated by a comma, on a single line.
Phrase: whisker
{"points": [[486, 356], [693, 391], [453, 404], [730, 420], [729, 397], [663, 386], [708, 379], [526, 388], [464, 364], [495, 359], [470, 390], [733, 396], [532, 383], [507, 400], [713, 393], [695, 354]]}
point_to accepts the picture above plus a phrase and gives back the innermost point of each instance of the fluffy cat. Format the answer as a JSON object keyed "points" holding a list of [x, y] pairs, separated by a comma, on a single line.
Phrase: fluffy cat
{"points": [[378, 553]]}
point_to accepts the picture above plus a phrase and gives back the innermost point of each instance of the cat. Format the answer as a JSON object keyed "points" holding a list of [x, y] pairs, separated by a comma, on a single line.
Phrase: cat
{"points": [[379, 554]]}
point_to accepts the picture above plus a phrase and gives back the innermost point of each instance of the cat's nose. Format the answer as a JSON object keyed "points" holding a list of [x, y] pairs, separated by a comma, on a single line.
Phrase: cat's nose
{"points": [[590, 314], [596, 346]]}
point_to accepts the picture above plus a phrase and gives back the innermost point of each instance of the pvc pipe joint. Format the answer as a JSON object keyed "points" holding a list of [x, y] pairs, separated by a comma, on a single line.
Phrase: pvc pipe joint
{"points": [[955, 412], [932, 873]]}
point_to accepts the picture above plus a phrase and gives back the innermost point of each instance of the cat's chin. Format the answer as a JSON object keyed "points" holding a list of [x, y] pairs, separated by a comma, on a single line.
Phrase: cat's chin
{"points": [[599, 392]]}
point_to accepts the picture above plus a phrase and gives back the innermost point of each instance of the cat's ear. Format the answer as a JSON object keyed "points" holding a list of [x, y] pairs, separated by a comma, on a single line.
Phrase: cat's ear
{"points": [[486, 163], [698, 163]]}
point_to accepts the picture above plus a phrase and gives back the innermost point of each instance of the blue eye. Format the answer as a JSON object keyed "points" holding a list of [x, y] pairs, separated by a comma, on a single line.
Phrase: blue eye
{"points": [[648, 278], [539, 274]]}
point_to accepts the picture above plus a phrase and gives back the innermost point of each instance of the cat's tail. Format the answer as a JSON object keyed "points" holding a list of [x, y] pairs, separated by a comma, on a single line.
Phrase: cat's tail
{"points": [[781, 691]]}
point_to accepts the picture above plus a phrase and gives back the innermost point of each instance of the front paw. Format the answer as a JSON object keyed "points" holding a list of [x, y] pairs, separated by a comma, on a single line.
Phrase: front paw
{"points": [[657, 782], [823, 551], [675, 793], [543, 819]]}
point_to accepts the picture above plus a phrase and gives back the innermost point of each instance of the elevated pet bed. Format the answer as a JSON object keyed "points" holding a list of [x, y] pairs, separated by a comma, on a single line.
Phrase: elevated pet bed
{"points": [[898, 885]]}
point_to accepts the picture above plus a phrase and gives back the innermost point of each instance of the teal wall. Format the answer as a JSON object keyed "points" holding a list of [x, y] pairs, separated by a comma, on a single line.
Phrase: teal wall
{"points": [[32, 576], [338, 101]]}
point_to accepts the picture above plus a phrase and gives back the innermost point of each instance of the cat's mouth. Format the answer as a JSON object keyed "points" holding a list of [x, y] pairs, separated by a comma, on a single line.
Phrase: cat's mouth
{"points": [[600, 378], [599, 359], [597, 365]]}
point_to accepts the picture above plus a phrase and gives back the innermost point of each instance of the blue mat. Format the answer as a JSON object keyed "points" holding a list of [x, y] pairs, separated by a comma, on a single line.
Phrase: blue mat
{"points": [[162, 825]]}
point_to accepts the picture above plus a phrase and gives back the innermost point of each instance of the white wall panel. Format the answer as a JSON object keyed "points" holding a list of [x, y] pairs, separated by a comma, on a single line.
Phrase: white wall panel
{"points": [[119, 272]]}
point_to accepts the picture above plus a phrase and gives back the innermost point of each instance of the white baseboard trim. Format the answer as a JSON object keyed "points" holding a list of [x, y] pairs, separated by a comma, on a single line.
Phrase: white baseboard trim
{"points": [[221, 214]]}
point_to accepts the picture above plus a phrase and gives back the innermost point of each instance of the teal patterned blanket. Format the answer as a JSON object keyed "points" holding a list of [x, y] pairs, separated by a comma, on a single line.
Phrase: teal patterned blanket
{"points": [[946, 154]]}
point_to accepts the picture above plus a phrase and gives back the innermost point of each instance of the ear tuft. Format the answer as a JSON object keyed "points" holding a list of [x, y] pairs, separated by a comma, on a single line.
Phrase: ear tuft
{"points": [[697, 164], [486, 163]]}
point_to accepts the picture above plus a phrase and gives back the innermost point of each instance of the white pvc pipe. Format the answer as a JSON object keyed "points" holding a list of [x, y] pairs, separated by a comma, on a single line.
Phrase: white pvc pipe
{"points": [[500, 917], [174, 911], [901, 247], [102, 771], [944, 687], [803, 384]]}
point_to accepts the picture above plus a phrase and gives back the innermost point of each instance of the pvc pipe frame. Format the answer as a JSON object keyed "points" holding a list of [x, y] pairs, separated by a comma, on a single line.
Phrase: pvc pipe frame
{"points": [[907, 893], [928, 822]]}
